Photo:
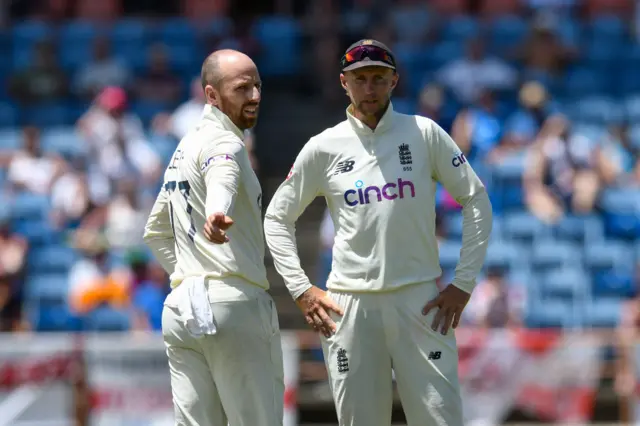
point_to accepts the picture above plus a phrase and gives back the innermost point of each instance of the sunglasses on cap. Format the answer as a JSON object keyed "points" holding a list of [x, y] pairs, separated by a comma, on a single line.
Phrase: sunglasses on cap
{"points": [[374, 53]]}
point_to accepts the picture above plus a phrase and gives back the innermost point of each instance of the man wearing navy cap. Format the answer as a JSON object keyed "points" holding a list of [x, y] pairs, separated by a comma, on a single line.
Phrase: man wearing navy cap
{"points": [[377, 171]]}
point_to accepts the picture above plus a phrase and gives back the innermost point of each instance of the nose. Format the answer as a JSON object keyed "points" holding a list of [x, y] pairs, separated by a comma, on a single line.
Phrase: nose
{"points": [[256, 95]]}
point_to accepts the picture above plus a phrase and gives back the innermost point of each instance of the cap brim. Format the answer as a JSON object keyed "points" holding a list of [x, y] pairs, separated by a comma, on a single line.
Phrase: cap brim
{"points": [[362, 64]]}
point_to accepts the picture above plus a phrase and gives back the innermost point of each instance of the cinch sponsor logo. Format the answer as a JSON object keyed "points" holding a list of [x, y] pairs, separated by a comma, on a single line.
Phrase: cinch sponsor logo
{"points": [[222, 157], [390, 191], [459, 160]]}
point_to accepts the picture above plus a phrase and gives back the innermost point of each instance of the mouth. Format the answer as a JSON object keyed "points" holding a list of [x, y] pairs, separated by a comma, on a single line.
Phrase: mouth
{"points": [[251, 111]]}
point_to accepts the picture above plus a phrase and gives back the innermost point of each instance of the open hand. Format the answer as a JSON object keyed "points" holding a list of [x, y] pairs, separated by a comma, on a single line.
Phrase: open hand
{"points": [[216, 226], [315, 304], [450, 303]]}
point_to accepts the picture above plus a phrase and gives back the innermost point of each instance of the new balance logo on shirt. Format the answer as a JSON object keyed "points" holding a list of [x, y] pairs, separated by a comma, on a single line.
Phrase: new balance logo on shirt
{"points": [[434, 355], [344, 167]]}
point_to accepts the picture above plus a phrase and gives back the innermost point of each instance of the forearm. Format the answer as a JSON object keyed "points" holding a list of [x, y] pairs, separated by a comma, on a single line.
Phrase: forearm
{"points": [[281, 239], [164, 252], [476, 230]]}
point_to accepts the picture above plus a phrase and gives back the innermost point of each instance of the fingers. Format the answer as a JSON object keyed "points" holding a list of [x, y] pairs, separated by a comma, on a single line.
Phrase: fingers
{"points": [[328, 326], [456, 320], [437, 319], [432, 304], [448, 319], [330, 305], [215, 226]]}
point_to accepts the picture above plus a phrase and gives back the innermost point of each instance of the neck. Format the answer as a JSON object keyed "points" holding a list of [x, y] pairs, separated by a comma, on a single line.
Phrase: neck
{"points": [[372, 120]]}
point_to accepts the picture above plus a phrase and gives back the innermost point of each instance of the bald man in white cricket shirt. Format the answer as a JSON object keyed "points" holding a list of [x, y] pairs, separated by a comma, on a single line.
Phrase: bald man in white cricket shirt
{"points": [[377, 171], [219, 324]]}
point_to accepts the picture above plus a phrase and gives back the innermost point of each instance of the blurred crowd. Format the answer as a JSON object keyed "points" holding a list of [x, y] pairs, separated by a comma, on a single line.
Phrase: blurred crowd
{"points": [[542, 96]]}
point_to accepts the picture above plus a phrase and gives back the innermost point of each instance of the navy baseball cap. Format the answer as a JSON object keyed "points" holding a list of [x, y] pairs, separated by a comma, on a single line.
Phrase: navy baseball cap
{"points": [[367, 53]]}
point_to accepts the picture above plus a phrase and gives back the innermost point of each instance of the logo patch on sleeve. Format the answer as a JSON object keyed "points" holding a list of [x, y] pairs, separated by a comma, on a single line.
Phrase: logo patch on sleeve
{"points": [[210, 160]]}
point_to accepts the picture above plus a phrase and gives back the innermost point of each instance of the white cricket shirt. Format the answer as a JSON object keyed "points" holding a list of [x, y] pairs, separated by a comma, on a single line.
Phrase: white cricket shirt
{"points": [[380, 188], [209, 172]]}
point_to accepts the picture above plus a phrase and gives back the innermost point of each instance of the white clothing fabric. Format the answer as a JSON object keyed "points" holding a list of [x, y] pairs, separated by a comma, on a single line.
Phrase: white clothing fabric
{"points": [[186, 117], [193, 306], [380, 188], [35, 173], [210, 172], [383, 331], [236, 376]]}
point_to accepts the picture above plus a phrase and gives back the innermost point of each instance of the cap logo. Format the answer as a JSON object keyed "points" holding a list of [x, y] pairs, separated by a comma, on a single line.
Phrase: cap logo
{"points": [[367, 42]]}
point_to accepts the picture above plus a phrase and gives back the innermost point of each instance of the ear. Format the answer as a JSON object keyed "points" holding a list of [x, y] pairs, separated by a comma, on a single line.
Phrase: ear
{"points": [[211, 95], [343, 81], [394, 80]]}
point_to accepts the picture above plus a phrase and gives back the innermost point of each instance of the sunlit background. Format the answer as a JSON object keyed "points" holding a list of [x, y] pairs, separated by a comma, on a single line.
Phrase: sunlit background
{"points": [[543, 96]]}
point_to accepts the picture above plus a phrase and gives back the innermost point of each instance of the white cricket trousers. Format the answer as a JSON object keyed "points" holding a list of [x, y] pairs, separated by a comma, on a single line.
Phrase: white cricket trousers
{"points": [[235, 376], [384, 331]]}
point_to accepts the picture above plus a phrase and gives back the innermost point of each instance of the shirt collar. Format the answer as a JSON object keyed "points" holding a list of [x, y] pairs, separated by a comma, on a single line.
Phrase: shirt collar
{"points": [[214, 114], [385, 122]]}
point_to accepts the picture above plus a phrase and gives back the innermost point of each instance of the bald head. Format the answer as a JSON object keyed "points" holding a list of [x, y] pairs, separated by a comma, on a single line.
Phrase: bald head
{"points": [[223, 64], [231, 83]]}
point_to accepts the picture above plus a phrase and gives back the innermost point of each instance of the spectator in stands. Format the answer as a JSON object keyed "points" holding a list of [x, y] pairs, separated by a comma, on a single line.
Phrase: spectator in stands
{"points": [[478, 129], [543, 54], [32, 170], [122, 219], [626, 342], [617, 158], [42, 81], [77, 193], [159, 84], [13, 255], [496, 303], [117, 140], [560, 174], [105, 70], [149, 289], [185, 117], [431, 104], [92, 280], [531, 122], [467, 77]]}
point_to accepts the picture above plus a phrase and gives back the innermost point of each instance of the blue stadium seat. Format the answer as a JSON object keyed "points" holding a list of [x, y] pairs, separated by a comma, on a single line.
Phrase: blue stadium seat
{"points": [[506, 254], [597, 110], [280, 45], [622, 212], [449, 253], [524, 227], [618, 282], [106, 318], [632, 108], [51, 259], [165, 146], [38, 232], [460, 29], [507, 32], [607, 255], [568, 282], [131, 38], [147, 110], [176, 31], [410, 23], [63, 140], [603, 312], [580, 228], [50, 287], [444, 52], [10, 138], [25, 35], [549, 314], [55, 316], [219, 27], [607, 28], [47, 115], [551, 254], [81, 35], [582, 82], [28, 206], [9, 116]]}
